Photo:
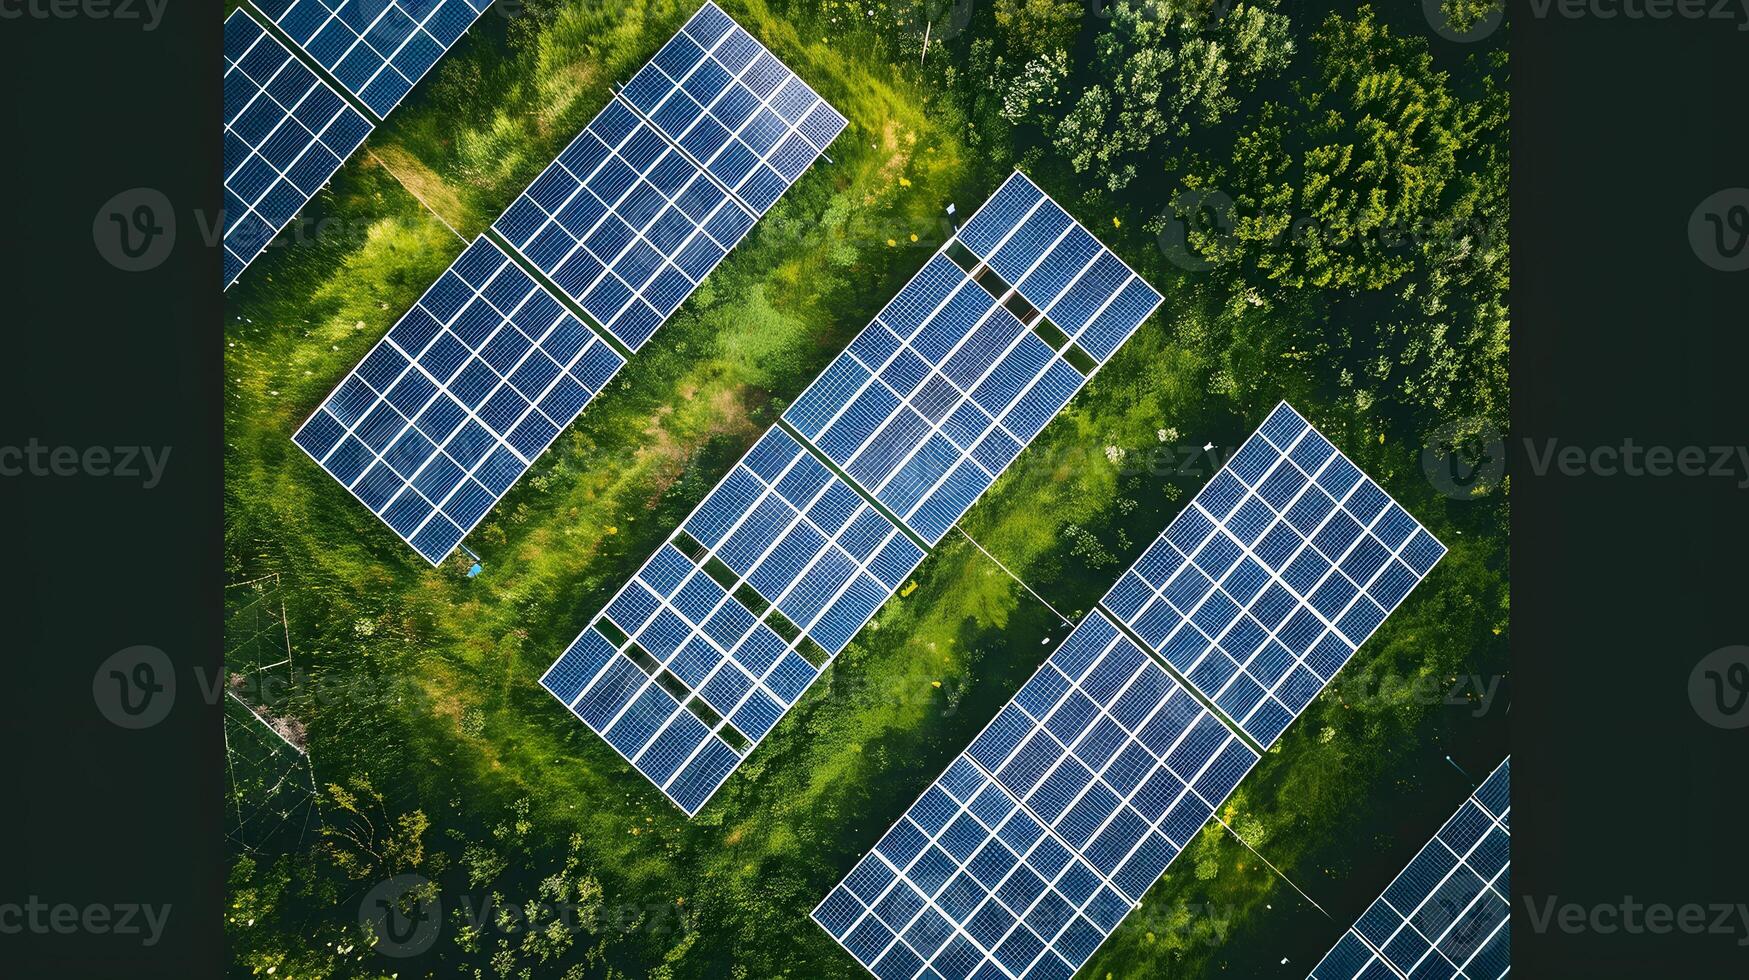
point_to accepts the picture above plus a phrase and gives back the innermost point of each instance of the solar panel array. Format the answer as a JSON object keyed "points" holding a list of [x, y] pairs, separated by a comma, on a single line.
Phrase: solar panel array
{"points": [[378, 49], [1104, 750], [799, 537], [733, 107], [1048, 829], [936, 397], [640, 208], [1447, 914], [451, 407], [781, 555], [286, 132], [1278, 570], [625, 222]]}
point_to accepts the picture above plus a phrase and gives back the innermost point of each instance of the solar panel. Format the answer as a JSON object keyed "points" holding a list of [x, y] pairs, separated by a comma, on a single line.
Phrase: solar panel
{"points": [[1447, 914], [449, 409], [1278, 570], [782, 526], [937, 396], [635, 213], [286, 133], [378, 49], [625, 224], [1103, 749], [732, 106], [1048, 829], [696, 658]]}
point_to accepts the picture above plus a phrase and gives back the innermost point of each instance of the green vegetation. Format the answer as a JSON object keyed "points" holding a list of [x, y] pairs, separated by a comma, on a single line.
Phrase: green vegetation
{"points": [[440, 756]]}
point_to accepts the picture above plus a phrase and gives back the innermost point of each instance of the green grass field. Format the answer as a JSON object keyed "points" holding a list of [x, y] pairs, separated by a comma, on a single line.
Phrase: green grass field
{"points": [[422, 681]]}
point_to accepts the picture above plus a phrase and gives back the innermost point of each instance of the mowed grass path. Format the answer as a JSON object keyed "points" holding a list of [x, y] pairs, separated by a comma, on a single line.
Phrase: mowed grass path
{"points": [[426, 680]]}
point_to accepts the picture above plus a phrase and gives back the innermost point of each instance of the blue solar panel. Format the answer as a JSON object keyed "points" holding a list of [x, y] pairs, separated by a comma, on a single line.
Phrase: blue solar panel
{"points": [[378, 49], [1101, 765], [969, 883], [1058, 267], [625, 224], [639, 209], [936, 397], [806, 546], [1109, 754], [732, 106], [1278, 570], [449, 409], [1447, 914], [286, 133]]}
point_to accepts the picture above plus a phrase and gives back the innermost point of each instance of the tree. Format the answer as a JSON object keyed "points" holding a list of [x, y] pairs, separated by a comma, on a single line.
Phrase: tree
{"points": [[1037, 27], [1165, 69], [1327, 189], [1375, 202]]}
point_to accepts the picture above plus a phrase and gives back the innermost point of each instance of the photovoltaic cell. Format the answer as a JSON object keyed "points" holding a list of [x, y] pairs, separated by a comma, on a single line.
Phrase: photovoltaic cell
{"points": [[378, 49], [1447, 914], [732, 106], [936, 397], [286, 133], [1278, 570], [1048, 829], [779, 534], [457, 401], [642, 205]]}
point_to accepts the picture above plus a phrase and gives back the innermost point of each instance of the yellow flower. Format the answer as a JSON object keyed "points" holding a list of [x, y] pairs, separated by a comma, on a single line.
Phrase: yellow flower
{"points": [[1116, 223], [612, 529], [934, 683], [892, 243], [913, 236], [904, 182]]}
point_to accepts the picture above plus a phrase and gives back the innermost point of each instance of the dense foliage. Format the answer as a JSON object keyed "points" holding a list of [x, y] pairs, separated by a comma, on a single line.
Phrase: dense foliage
{"points": [[1323, 204]]}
